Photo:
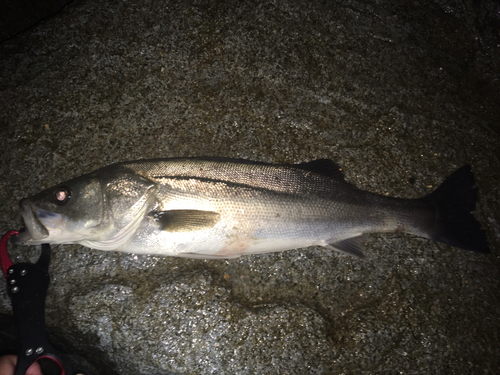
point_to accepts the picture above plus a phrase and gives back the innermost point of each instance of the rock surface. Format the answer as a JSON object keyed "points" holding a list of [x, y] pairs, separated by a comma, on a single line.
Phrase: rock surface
{"points": [[399, 94], [20, 15]]}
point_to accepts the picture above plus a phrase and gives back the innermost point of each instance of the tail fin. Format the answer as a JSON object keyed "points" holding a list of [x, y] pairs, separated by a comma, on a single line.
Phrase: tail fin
{"points": [[454, 202]]}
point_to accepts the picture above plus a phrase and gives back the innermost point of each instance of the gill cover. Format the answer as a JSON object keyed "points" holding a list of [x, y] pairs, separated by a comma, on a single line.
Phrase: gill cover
{"points": [[128, 195]]}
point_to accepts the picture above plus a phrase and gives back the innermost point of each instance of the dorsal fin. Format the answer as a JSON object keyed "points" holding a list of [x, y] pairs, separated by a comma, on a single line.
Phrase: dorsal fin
{"points": [[324, 167]]}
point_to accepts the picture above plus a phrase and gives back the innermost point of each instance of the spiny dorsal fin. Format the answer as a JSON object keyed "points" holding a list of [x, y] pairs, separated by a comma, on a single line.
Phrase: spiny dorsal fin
{"points": [[186, 220], [324, 167]]}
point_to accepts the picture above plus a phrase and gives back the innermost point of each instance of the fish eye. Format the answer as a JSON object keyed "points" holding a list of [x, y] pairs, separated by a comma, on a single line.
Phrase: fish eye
{"points": [[62, 194]]}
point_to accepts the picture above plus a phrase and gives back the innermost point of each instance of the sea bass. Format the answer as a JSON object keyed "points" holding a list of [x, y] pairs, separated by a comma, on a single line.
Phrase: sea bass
{"points": [[223, 208]]}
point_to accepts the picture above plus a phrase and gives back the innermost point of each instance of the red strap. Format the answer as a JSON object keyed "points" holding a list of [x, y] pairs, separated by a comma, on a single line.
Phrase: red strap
{"points": [[53, 360], [4, 255]]}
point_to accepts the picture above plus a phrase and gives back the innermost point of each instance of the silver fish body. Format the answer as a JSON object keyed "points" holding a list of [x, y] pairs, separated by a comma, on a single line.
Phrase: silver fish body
{"points": [[224, 208]]}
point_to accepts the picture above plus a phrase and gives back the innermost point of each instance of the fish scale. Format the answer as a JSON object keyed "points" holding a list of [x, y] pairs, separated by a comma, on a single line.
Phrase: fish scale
{"points": [[223, 208]]}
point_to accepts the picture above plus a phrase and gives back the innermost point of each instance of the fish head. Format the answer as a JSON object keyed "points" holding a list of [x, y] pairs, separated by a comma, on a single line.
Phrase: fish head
{"points": [[65, 213], [105, 205]]}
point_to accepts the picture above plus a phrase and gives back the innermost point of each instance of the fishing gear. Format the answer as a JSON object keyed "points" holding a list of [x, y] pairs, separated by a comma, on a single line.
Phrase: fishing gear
{"points": [[27, 285]]}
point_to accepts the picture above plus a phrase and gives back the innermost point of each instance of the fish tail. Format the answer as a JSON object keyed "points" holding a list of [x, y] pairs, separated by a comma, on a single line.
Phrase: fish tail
{"points": [[453, 202]]}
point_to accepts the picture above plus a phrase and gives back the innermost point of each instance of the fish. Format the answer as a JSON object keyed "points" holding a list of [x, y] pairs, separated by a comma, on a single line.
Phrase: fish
{"points": [[219, 208]]}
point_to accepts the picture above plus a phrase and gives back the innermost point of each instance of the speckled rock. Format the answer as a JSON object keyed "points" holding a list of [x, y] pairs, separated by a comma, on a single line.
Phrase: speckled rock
{"points": [[398, 94], [20, 15]]}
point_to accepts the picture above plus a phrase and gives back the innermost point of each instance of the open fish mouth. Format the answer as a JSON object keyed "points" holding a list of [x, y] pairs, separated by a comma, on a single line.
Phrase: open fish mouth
{"points": [[22, 238], [35, 231]]}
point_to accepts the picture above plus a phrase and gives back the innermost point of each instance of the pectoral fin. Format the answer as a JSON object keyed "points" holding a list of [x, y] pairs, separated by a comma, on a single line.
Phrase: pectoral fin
{"points": [[186, 220], [352, 246]]}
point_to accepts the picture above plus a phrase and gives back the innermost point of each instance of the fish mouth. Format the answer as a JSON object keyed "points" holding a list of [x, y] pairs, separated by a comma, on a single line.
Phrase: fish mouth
{"points": [[35, 231]]}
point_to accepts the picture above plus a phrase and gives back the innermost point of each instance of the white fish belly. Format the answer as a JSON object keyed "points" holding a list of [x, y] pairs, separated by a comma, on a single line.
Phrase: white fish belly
{"points": [[224, 241]]}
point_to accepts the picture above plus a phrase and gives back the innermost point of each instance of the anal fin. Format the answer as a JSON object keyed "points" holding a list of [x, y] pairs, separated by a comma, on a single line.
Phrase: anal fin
{"points": [[351, 246]]}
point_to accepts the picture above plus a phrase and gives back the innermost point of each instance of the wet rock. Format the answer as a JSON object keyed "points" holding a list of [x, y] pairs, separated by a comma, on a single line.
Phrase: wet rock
{"points": [[19, 15], [399, 94]]}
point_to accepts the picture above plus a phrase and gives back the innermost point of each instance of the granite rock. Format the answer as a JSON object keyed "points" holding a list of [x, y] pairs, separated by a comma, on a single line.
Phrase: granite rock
{"points": [[399, 94]]}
